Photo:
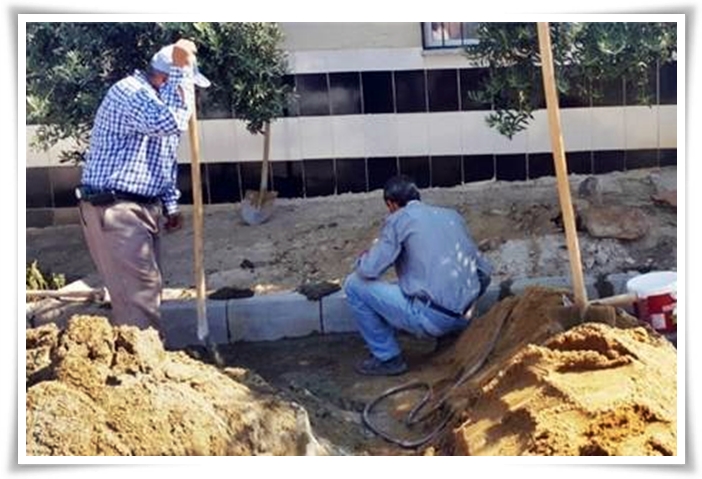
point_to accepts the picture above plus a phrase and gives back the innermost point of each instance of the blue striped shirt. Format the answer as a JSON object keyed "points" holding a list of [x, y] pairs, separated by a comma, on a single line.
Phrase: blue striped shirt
{"points": [[134, 140], [434, 255]]}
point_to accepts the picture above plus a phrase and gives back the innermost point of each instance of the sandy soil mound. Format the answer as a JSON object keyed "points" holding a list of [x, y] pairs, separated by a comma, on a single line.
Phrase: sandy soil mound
{"points": [[97, 390], [553, 387]]}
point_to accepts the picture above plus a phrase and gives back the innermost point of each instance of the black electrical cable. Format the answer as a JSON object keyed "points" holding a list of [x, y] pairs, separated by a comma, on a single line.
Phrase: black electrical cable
{"points": [[440, 406]]}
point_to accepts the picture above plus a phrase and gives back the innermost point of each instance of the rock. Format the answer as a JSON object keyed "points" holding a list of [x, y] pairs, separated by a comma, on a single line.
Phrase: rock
{"points": [[314, 291], [669, 198], [591, 190], [489, 244], [664, 180], [619, 222], [231, 292], [246, 264]]}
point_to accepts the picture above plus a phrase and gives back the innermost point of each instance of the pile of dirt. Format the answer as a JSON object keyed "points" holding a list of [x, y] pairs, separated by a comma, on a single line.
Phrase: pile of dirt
{"points": [[551, 385], [97, 390]]}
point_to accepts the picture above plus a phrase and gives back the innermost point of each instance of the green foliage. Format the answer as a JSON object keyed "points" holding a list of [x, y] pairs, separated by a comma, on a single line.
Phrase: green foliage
{"points": [[586, 56], [248, 65], [71, 65], [36, 279]]}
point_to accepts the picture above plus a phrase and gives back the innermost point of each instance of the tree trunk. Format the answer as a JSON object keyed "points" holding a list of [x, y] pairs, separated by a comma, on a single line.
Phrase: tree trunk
{"points": [[264, 163]]}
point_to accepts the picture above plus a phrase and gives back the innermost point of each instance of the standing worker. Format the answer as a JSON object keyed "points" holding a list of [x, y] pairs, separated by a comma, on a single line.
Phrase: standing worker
{"points": [[130, 179], [440, 271]]}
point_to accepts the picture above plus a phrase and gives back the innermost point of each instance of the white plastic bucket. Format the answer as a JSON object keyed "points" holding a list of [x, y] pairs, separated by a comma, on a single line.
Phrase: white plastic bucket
{"points": [[657, 299]]}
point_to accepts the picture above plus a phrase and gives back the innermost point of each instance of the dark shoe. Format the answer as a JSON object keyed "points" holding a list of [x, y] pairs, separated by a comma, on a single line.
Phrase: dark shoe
{"points": [[375, 367]]}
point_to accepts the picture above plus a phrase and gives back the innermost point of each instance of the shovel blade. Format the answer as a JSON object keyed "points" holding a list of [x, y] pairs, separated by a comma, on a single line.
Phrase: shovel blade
{"points": [[251, 213]]}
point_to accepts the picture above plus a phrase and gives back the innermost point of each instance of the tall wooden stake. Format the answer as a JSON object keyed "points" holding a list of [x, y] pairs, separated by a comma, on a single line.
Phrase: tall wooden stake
{"points": [[554, 120], [202, 327]]}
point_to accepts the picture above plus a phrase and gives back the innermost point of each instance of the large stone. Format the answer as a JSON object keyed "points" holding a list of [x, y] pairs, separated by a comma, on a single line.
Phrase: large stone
{"points": [[619, 222], [179, 323], [669, 198], [271, 317], [337, 316]]}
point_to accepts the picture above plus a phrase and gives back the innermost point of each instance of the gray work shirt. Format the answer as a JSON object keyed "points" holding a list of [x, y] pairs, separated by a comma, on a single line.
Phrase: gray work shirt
{"points": [[434, 255]]}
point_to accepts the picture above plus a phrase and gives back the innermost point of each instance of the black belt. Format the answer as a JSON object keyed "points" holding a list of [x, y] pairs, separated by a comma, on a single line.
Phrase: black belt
{"points": [[441, 309], [107, 197]]}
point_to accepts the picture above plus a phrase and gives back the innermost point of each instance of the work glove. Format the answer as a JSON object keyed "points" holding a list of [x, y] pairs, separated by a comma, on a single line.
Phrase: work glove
{"points": [[174, 221]]}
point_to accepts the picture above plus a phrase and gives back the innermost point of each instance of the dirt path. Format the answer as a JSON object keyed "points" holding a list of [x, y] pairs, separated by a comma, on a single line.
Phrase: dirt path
{"points": [[318, 239]]}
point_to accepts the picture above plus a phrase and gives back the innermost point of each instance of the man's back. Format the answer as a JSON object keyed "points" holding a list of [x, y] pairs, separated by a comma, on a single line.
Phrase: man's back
{"points": [[439, 259]]}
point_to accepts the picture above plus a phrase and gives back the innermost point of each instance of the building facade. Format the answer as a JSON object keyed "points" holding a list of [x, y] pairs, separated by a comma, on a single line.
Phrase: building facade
{"points": [[376, 99]]}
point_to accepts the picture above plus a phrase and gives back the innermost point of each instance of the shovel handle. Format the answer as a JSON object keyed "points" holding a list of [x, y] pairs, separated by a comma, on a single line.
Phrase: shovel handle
{"points": [[618, 300], [202, 329]]}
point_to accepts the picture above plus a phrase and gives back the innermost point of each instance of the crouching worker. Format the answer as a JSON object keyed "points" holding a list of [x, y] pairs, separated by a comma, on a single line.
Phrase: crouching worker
{"points": [[440, 271]]}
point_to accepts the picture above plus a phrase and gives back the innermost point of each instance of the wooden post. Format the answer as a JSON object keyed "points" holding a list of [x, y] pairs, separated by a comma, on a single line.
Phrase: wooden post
{"points": [[554, 120], [202, 327]]}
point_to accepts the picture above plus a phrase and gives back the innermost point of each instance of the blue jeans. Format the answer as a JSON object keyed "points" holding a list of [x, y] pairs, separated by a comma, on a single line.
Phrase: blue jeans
{"points": [[381, 308]]}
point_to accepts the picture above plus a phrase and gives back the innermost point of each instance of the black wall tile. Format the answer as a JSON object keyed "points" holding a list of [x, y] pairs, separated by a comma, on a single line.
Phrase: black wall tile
{"points": [[319, 177], [417, 168], [250, 172], [288, 178], [668, 157], [606, 161], [471, 79], [538, 98], [39, 188], [64, 180], [640, 159], [506, 97], [313, 94], [380, 170], [478, 167], [345, 93], [410, 91], [511, 167], [213, 104], [631, 96], [223, 182], [540, 164], [377, 92], [185, 184], [293, 105], [609, 93], [579, 162], [446, 171], [668, 84], [351, 175], [442, 87], [574, 98]]}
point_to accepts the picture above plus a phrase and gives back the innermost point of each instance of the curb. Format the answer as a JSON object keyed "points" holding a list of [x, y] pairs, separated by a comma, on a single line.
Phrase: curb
{"points": [[292, 315]]}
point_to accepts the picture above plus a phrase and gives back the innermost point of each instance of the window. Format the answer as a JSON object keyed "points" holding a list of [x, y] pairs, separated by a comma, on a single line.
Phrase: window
{"points": [[449, 34]]}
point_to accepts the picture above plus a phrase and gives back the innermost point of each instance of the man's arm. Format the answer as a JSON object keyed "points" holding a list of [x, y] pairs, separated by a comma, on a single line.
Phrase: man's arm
{"points": [[169, 114], [382, 255], [171, 195]]}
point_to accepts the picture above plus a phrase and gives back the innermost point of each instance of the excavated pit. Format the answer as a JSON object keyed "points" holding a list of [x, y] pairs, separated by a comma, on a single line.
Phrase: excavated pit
{"points": [[546, 383]]}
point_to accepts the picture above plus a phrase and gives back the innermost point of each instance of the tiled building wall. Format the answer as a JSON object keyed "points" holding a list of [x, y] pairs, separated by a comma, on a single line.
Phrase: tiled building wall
{"points": [[349, 130]]}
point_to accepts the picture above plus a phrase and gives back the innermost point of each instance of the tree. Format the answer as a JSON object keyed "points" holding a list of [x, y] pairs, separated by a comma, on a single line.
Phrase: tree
{"points": [[586, 56], [70, 66], [249, 65]]}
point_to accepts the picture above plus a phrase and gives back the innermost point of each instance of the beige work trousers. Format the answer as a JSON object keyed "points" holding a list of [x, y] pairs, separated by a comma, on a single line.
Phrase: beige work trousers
{"points": [[123, 239]]}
